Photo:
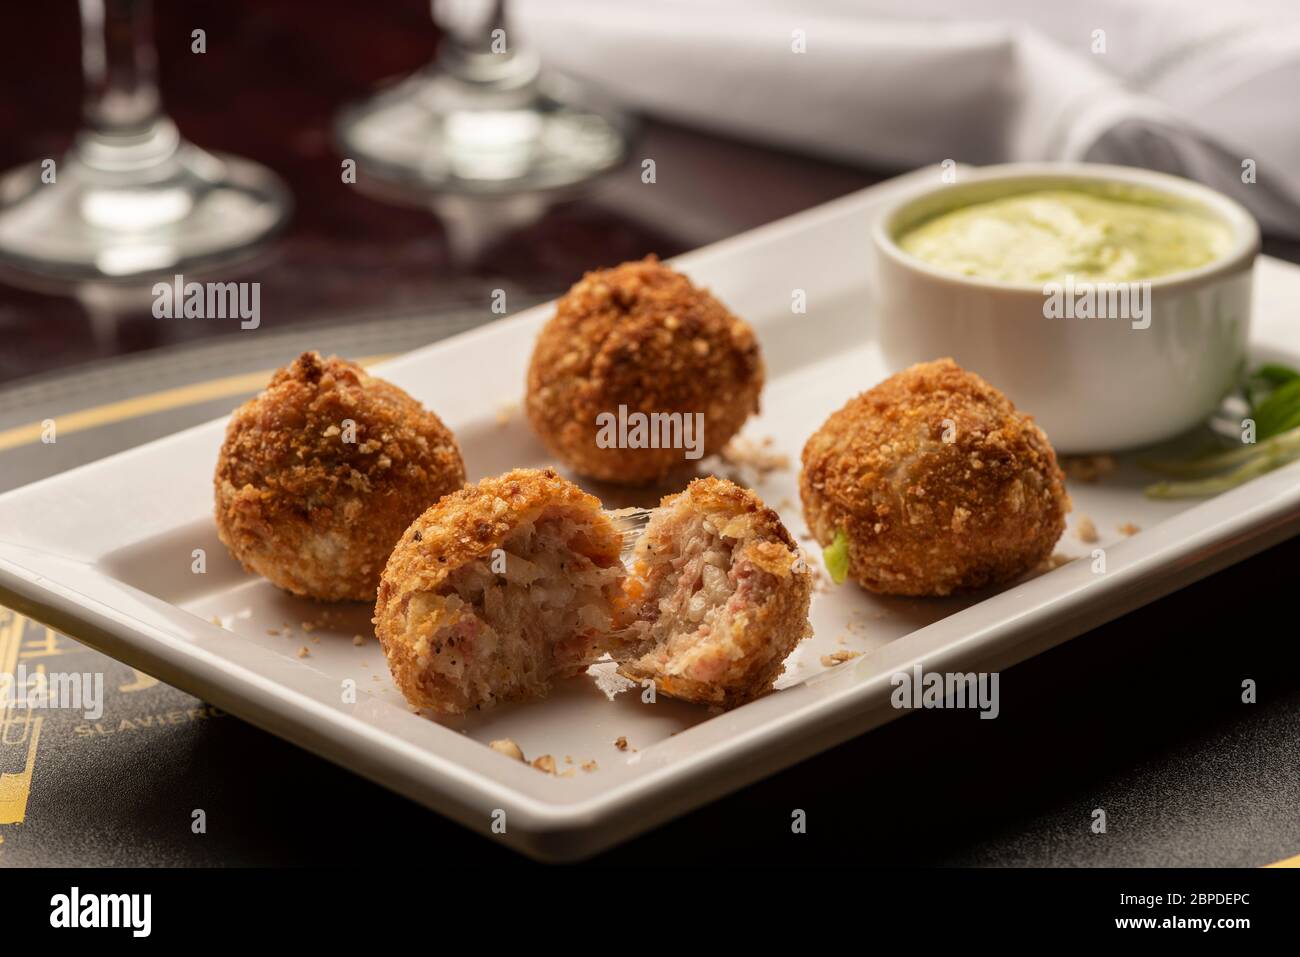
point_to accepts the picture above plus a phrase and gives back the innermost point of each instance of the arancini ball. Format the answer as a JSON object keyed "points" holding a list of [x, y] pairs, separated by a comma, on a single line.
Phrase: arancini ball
{"points": [[629, 343], [932, 483], [321, 473], [499, 590], [516, 582], [719, 595]]}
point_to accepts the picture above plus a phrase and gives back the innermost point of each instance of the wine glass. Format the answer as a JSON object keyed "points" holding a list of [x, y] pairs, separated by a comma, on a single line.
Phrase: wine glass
{"points": [[483, 119], [131, 198]]}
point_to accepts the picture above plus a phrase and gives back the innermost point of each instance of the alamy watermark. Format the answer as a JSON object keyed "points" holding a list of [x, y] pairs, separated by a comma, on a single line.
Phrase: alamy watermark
{"points": [[41, 690], [946, 689], [133, 912], [654, 430], [179, 299], [1128, 301]]}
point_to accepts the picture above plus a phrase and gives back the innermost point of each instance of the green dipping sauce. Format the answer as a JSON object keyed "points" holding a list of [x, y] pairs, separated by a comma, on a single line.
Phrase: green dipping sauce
{"points": [[1041, 236]]}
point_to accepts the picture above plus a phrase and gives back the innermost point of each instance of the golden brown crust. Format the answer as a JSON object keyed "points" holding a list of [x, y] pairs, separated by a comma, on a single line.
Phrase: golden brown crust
{"points": [[746, 659], [642, 336], [938, 482], [468, 524], [315, 505], [464, 527]]}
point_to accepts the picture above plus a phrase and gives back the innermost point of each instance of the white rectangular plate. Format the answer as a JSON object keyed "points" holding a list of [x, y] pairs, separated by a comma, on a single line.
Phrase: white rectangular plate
{"points": [[104, 553]]}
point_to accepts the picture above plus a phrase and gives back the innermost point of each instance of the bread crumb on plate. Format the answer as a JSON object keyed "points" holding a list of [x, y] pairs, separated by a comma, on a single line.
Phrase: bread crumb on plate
{"points": [[839, 657], [507, 747], [545, 764], [1088, 469]]}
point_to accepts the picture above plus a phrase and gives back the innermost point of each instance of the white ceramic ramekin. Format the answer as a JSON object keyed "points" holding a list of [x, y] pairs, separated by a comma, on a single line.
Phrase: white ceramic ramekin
{"points": [[1092, 384]]}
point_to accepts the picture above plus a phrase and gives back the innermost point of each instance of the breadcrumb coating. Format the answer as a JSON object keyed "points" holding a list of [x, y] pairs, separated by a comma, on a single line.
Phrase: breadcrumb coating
{"points": [[718, 547], [643, 336], [937, 482], [320, 474]]}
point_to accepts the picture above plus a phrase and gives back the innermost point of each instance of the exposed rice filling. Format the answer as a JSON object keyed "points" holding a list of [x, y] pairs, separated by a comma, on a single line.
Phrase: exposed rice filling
{"points": [[553, 599], [514, 620], [689, 587]]}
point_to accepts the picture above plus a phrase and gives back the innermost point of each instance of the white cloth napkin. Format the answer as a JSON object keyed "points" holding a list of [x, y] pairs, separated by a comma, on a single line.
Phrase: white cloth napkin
{"points": [[1193, 88]]}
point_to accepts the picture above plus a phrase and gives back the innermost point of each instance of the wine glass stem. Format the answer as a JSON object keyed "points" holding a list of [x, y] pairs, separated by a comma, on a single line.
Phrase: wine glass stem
{"points": [[118, 57], [476, 49]]}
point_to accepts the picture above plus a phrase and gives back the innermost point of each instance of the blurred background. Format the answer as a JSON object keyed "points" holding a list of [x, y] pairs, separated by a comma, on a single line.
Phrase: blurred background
{"points": [[750, 111], [270, 88]]}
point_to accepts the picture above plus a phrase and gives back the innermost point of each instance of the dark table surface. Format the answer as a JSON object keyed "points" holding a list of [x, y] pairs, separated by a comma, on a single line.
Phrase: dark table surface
{"points": [[1142, 717]]}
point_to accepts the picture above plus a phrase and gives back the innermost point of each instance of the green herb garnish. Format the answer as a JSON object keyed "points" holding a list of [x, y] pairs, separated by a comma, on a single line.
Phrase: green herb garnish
{"points": [[1273, 395], [1279, 412], [1264, 380], [835, 556]]}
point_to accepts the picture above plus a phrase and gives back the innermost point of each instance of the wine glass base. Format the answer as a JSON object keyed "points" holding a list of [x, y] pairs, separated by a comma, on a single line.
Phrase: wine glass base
{"points": [[185, 209], [435, 132]]}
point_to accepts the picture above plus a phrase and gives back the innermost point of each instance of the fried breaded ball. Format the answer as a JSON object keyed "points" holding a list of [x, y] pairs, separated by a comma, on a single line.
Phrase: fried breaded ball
{"points": [[320, 474], [718, 596], [642, 337], [934, 484], [498, 591]]}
